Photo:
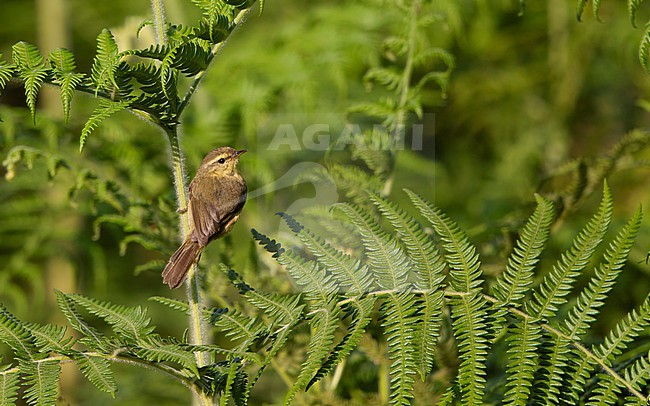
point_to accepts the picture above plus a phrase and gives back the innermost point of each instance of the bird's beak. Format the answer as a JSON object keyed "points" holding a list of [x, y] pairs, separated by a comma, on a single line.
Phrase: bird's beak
{"points": [[238, 153]]}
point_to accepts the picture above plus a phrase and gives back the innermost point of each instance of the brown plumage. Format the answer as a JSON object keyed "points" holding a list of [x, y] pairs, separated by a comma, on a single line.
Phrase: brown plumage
{"points": [[216, 196]]}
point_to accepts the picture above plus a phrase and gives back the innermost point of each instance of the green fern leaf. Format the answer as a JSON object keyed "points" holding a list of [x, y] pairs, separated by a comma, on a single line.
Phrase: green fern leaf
{"points": [[213, 30], [6, 72], [317, 284], [632, 7], [428, 264], [238, 327], [32, 70], [287, 314], [461, 255], [427, 332], [583, 312], [399, 320], [389, 78], [323, 327], [512, 285], [8, 387], [98, 371], [469, 315], [468, 307], [172, 303], [361, 317], [556, 285], [91, 337], [169, 353], [49, 338], [422, 253], [284, 309], [106, 109], [616, 341], [351, 274], [63, 66], [644, 48], [41, 379], [386, 258], [106, 63], [17, 336], [553, 360], [129, 323], [523, 340]]}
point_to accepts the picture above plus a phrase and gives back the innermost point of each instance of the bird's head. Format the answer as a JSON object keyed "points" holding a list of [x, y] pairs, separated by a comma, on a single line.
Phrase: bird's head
{"points": [[221, 161]]}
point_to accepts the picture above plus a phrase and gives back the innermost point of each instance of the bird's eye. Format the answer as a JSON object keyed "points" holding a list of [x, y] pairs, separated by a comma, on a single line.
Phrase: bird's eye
{"points": [[221, 160]]}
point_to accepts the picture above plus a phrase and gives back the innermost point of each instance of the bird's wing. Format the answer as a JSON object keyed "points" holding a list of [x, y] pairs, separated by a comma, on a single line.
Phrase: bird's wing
{"points": [[213, 208]]}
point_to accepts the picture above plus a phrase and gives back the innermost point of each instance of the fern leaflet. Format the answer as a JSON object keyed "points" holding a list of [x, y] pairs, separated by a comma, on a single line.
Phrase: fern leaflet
{"points": [[32, 70], [97, 370], [556, 285], [63, 66], [8, 387], [41, 379]]}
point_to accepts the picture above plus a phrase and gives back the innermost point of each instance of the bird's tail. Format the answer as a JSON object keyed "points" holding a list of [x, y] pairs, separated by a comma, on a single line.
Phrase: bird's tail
{"points": [[179, 264]]}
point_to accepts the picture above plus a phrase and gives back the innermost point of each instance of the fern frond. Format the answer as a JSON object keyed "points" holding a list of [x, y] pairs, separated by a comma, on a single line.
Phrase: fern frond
{"points": [[632, 7], [350, 273], [106, 109], [6, 72], [318, 285], [169, 353], [422, 253], [618, 338], [287, 313], [461, 256], [399, 320], [129, 323], [98, 371], [17, 336], [283, 309], [32, 70], [583, 312], [512, 285], [214, 30], [106, 63], [361, 317], [469, 324], [644, 48], [389, 78], [323, 326], [238, 327], [63, 67], [553, 360], [428, 330], [556, 285], [8, 387], [91, 337], [172, 303], [41, 379], [386, 258], [49, 338], [523, 339]]}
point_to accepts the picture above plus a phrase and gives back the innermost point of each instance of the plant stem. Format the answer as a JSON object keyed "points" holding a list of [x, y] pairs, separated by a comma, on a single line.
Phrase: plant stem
{"points": [[198, 329], [405, 86]]}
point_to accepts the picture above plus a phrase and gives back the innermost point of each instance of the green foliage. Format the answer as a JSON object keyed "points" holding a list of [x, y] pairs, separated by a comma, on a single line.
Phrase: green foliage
{"points": [[380, 291]]}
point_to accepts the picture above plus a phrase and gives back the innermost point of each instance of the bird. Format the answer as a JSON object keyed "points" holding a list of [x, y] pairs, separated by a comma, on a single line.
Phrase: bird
{"points": [[217, 195]]}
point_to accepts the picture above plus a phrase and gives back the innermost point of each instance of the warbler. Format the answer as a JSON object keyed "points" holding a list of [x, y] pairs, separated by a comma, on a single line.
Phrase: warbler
{"points": [[216, 197]]}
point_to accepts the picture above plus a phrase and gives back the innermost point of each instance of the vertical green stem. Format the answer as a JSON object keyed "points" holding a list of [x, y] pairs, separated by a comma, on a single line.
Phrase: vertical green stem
{"points": [[405, 85], [197, 325]]}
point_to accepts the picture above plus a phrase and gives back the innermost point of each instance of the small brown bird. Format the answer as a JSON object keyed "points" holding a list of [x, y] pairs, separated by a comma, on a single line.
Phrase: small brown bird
{"points": [[216, 196]]}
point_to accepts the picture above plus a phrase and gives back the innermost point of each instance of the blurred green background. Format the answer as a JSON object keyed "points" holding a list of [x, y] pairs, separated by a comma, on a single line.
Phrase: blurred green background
{"points": [[529, 92]]}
